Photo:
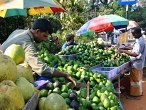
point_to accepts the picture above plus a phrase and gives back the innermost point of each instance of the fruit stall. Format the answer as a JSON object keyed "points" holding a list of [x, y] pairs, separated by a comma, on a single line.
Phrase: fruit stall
{"points": [[91, 65]]}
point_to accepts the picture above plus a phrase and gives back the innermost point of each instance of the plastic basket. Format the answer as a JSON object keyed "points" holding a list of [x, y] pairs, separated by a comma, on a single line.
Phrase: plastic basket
{"points": [[96, 66], [122, 67], [109, 71]]}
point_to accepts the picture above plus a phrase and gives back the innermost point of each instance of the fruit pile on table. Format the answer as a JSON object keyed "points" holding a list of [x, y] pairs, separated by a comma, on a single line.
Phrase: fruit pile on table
{"points": [[101, 94], [94, 91]]}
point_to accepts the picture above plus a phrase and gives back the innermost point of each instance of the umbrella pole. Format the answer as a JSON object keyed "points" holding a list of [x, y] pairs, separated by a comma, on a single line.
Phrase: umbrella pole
{"points": [[126, 11]]}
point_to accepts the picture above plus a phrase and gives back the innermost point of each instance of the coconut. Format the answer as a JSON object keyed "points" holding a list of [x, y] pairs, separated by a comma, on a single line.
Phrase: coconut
{"points": [[1, 52], [27, 89], [55, 101], [16, 52], [41, 103], [24, 70], [5, 102], [8, 69], [11, 90]]}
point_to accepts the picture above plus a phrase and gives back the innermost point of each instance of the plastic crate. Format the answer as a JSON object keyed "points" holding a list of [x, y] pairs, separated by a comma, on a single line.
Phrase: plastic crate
{"points": [[69, 57], [122, 67], [109, 71], [96, 66], [32, 103]]}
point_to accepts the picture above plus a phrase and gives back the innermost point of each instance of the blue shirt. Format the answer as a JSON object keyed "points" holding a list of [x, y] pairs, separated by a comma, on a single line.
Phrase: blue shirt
{"points": [[67, 44]]}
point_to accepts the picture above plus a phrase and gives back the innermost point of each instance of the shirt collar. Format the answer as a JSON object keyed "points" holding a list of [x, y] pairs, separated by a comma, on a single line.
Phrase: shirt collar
{"points": [[138, 39], [67, 43], [30, 34]]}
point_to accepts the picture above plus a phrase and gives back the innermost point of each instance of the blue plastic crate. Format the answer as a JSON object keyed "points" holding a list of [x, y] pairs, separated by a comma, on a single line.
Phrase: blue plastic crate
{"points": [[109, 71]]}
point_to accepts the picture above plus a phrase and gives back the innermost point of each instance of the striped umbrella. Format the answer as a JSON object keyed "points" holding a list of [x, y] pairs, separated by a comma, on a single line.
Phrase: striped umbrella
{"points": [[103, 23], [22, 4], [56, 7]]}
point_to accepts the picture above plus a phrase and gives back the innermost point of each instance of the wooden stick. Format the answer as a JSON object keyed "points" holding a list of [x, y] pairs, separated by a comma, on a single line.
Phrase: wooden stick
{"points": [[88, 89]]}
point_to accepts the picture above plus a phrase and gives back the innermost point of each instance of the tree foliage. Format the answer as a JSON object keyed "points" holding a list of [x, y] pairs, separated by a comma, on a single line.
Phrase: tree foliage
{"points": [[77, 13]]}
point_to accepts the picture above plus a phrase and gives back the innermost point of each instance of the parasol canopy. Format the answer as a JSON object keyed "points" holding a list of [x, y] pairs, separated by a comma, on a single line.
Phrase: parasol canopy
{"points": [[32, 11], [21, 4], [104, 23]]}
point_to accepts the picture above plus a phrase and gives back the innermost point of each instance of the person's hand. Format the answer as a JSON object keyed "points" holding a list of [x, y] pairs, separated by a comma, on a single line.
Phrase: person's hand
{"points": [[68, 77], [120, 51]]}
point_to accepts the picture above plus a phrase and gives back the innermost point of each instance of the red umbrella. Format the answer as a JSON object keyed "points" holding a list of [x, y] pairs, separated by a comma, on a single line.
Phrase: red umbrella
{"points": [[41, 10], [103, 23], [132, 24]]}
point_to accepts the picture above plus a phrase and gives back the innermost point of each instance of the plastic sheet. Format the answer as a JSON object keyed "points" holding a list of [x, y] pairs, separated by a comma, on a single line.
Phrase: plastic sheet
{"points": [[41, 82]]}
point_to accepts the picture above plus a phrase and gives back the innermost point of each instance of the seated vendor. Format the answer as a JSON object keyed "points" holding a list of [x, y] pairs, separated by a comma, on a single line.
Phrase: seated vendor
{"points": [[69, 41]]}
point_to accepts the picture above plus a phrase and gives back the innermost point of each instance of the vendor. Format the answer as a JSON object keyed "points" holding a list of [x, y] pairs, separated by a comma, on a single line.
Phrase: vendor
{"points": [[137, 56], [28, 39], [69, 41]]}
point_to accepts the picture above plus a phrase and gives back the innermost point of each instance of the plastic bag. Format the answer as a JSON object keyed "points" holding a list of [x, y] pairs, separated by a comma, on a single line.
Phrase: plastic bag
{"points": [[41, 82]]}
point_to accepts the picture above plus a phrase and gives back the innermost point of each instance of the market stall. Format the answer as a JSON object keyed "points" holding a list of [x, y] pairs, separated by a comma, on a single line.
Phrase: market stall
{"points": [[93, 64]]}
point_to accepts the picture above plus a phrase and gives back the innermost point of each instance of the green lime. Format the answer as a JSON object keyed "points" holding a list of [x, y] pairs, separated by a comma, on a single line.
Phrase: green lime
{"points": [[49, 86], [41, 103], [94, 106], [49, 92], [95, 99], [64, 95], [56, 90], [106, 103], [112, 103], [114, 108], [67, 101], [69, 84], [85, 103], [64, 88], [43, 93], [103, 97], [101, 108], [61, 79]]}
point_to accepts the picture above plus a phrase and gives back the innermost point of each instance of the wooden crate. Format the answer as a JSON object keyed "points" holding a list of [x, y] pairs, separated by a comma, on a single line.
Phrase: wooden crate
{"points": [[123, 38]]}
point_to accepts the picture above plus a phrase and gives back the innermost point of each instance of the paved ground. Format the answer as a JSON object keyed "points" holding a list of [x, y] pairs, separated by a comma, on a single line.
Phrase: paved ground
{"points": [[135, 103]]}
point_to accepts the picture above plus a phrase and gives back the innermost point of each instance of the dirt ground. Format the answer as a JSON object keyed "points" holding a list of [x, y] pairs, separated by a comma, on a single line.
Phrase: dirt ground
{"points": [[135, 103]]}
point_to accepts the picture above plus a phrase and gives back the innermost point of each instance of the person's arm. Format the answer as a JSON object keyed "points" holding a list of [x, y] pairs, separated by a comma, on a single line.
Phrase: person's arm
{"points": [[64, 46], [57, 73], [128, 52], [127, 47], [41, 68]]}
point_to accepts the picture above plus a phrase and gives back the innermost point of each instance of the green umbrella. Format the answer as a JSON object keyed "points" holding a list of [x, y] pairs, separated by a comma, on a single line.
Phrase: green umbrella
{"points": [[23, 4], [13, 12]]}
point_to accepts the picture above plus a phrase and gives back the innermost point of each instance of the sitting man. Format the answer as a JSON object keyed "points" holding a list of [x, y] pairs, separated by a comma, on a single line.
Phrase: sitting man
{"points": [[69, 41]]}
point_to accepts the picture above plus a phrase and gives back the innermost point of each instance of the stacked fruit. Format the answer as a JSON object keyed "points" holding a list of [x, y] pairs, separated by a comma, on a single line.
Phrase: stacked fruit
{"points": [[69, 50], [49, 58], [101, 90], [90, 55]]}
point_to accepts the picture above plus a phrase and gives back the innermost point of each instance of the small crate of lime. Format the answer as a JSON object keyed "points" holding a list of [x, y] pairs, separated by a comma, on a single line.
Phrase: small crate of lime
{"points": [[32, 103], [110, 72]]}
